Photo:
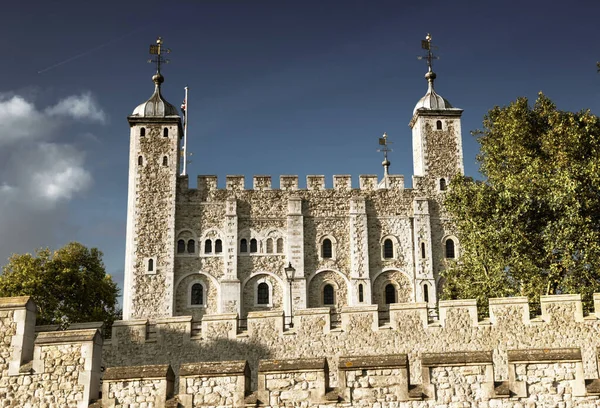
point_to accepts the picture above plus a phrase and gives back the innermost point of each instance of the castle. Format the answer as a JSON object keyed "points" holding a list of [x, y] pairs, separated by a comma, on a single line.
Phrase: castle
{"points": [[197, 252], [208, 320]]}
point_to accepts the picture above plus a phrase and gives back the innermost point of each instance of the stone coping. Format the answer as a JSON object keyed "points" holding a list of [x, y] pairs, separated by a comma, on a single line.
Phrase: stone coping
{"points": [[132, 322], [15, 302], [544, 355], [215, 368], [373, 362], [458, 303], [216, 317], [407, 306], [174, 319], [560, 298], [74, 326], [162, 371], [517, 300], [265, 313], [360, 309], [456, 358], [313, 311], [300, 364], [67, 336]]}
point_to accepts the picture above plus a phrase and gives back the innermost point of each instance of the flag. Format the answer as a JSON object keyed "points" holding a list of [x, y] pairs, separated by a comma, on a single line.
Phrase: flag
{"points": [[183, 107]]}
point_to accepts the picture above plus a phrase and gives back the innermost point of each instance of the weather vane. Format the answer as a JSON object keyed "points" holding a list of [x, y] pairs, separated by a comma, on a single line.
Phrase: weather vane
{"points": [[426, 45], [385, 149], [158, 50]]}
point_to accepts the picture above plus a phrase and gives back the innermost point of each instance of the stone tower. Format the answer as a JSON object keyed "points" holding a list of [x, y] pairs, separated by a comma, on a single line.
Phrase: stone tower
{"points": [[437, 157], [155, 135]]}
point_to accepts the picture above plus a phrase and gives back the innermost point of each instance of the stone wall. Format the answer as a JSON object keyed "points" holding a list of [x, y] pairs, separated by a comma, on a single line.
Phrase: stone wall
{"points": [[57, 369]]}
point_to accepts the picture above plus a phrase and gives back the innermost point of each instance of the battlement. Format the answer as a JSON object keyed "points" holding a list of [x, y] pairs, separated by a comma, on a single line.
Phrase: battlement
{"points": [[290, 183], [369, 358]]}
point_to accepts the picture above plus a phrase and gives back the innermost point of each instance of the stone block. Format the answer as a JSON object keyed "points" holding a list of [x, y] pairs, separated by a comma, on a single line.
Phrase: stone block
{"points": [[207, 183], [513, 310], [342, 182], [453, 310], [367, 181], [402, 315], [261, 183], [360, 318], [288, 183], [396, 182], [315, 182], [212, 325], [562, 307], [155, 383], [235, 183]]}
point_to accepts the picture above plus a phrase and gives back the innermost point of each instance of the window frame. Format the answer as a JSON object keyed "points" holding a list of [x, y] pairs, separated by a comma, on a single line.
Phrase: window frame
{"points": [[204, 294], [270, 293]]}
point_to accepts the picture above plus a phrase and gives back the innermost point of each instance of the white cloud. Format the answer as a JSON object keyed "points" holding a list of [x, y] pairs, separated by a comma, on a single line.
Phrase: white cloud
{"points": [[79, 107], [39, 176]]}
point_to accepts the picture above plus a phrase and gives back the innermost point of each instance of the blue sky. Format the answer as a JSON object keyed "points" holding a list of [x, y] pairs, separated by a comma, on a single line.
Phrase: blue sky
{"points": [[276, 87]]}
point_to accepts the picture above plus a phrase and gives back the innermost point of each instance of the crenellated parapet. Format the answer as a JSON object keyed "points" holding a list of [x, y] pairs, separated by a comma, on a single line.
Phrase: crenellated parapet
{"points": [[291, 183]]}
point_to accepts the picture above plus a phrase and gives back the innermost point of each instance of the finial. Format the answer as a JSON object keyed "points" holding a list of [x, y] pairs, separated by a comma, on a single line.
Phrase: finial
{"points": [[427, 45], [383, 141], [158, 50]]}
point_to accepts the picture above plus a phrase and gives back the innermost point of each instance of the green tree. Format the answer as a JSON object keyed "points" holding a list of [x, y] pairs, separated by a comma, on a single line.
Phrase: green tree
{"points": [[68, 286], [532, 227]]}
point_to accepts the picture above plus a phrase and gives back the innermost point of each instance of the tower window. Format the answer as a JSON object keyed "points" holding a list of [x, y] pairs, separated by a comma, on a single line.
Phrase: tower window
{"points": [[269, 246], [140, 160], [450, 249], [253, 245], [207, 246], [166, 132], [218, 246], [180, 246], [438, 125], [150, 265], [328, 297], [262, 294], [143, 132], [388, 249], [191, 246], [423, 250], [443, 184], [243, 245], [197, 295], [327, 251], [280, 245], [361, 293], [165, 161], [426, 293], [390, 294]]}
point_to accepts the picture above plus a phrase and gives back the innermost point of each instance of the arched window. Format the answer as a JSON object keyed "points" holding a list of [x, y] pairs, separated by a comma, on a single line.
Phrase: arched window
{"points": [[262, 294], [269, 246], [361, 294], [143, 132], [327, 251], [150, 265], [280, 245], [243, 245], [423, 250], [166, 132], [426, 293], [218, 246], [438, 125], [197, 295], [328, 297], [450, 248], [442, 184], [207, 246], [180, 246], [140, 160], [253, 245], [165, 161], [390, 294], [388, 249], [191, 246]]}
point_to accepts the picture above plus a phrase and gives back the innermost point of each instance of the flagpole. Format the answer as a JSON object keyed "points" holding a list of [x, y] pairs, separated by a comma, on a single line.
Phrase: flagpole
{"points": [[185, 127]]}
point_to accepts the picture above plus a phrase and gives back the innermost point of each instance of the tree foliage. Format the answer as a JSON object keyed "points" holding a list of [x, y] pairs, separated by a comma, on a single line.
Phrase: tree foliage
{"points": [[68, 286], [533, 226]]}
